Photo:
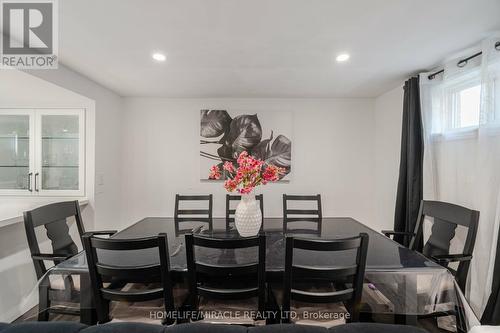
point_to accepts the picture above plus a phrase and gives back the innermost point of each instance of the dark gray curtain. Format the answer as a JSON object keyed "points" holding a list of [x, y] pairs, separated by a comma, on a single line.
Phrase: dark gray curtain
{"points": [[491, 314], [410, 182]]}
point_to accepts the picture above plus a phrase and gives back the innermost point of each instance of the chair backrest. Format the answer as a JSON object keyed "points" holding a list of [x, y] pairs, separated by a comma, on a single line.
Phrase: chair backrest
{"points": [[101, 272], [348, 280], [447, 217], [302, 215], [230, 212], [53, 218], [192, 215], [200, 274]]}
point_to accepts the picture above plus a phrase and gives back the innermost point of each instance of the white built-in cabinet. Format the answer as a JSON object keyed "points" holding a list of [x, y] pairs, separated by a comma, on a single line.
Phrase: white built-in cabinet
{"points": [[42, 152]]}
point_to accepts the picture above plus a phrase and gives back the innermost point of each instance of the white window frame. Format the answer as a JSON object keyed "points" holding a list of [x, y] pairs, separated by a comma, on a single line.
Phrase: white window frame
{"points": [[452, 108]]}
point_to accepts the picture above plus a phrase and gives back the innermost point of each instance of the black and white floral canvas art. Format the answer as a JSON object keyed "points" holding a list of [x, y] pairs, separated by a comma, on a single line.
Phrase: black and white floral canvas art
{"points": [[224, 135]]}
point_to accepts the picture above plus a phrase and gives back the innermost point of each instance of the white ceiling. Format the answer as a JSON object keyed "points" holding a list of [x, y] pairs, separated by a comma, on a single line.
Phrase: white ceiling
{"points": [[265, 48]]}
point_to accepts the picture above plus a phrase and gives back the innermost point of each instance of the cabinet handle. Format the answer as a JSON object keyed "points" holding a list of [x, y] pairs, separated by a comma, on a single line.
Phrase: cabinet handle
{"points": [[36, 182], [29, 181]]}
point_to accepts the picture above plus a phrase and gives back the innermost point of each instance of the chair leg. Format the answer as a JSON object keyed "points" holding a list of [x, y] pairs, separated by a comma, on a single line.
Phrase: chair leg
{"points": [[102, 309], [274, 316], [189, 309], [88, 313], [354, 308], [168, 321], [195, 305], [43, 302], [69, 286], [459, 318]]}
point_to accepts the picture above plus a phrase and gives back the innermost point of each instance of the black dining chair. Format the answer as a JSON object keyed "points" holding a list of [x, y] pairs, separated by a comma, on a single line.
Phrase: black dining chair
{"points": [[295, 216], [447, 217], [116, 281], [230, 212], [193, 217], [243, 282], [334, 284], [55, 287]]}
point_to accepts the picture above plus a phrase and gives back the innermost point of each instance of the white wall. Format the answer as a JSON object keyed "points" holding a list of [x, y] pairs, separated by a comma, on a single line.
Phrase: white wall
{"points": [[332, 154], [388, 120], [108, 120], [19, 89]]}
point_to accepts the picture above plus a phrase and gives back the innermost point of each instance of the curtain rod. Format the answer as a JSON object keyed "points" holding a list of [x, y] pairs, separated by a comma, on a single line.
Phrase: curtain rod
{"points": [[463, 62]]}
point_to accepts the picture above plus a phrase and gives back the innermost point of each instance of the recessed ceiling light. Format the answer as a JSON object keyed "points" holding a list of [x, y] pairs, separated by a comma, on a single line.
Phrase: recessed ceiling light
{"points": [[159, 56], [342, 57]]}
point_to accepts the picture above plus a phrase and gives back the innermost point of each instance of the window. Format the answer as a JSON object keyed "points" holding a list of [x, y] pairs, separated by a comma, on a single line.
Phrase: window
{"points": [[463, 109], [469, 101]]}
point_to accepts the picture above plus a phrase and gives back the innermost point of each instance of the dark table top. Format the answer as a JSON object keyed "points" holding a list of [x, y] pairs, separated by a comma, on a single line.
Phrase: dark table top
{"points": [[383, 253]]}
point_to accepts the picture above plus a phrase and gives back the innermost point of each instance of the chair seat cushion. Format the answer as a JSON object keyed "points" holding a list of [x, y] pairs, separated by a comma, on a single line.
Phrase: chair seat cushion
{"points": [[129, 327], [125, 327], [375, 328], [205, 328], [45, 327], [288, 328]]}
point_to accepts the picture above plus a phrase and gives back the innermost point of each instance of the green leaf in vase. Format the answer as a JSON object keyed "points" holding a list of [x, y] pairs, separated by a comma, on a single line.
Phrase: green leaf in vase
{"points": [[214, 123], [244, 133]]}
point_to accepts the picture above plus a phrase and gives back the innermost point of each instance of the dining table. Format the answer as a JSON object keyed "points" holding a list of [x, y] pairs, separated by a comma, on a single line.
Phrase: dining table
{"points": [[399, 283]]}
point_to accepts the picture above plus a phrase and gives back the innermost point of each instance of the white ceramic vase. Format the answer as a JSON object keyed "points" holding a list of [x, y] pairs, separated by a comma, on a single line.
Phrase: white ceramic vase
{"points": [[248, 217]]}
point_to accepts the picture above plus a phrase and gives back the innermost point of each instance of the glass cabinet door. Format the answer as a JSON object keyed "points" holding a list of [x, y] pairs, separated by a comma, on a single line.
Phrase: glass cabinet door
{"points": [[61, 153], [15, 151]]}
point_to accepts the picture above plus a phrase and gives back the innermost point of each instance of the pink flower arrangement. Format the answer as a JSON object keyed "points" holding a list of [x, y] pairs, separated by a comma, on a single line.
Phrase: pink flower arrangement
{"points": [[251, 172]]}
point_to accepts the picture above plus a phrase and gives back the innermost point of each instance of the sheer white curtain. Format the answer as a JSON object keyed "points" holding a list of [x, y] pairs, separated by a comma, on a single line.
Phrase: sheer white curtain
{"points": [[461, 115]]}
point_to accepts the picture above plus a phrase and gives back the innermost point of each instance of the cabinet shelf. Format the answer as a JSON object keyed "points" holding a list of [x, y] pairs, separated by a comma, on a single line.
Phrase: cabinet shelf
{"points": [[59, 166], [58, 138], [14, 166], [15, 137]]}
